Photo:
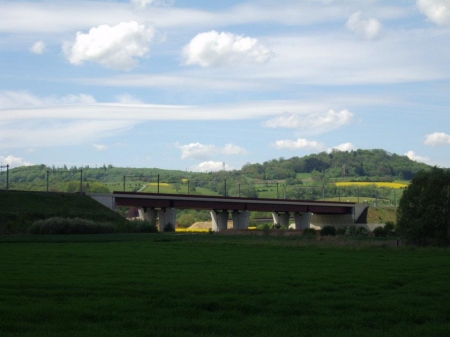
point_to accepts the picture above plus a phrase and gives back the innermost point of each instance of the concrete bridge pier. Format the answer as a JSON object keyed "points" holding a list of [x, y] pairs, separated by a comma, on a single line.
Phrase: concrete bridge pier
{"points": [[281, 219], [240, 219], [302, 220], [147, 214], [335, 220], [166, 218], [219, 220]]}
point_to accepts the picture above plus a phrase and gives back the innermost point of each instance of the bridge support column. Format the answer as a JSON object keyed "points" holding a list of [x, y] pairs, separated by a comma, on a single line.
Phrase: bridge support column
{"points": [[147, 214], [302, 221], [335, 220], [166, 218], [280, 219], [219, 220], [240, 219]]}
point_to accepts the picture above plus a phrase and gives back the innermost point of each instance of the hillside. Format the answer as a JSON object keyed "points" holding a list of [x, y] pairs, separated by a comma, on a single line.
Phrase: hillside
{"points": [[18, 209]]}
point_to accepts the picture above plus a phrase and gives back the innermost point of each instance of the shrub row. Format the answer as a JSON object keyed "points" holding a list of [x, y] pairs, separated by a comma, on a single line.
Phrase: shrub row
{"points": [[137, 227], [57, 225], [347, 231]]}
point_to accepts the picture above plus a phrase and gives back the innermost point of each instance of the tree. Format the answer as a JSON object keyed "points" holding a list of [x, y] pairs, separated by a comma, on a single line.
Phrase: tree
{"points": [[423, 214]]}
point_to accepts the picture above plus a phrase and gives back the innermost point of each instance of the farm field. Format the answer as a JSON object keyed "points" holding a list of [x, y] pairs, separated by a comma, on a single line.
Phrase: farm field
{"points": [[378, 184], [214, 285]]}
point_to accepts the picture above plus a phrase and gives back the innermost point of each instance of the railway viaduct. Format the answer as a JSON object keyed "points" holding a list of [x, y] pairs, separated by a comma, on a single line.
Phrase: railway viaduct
{"points": [[162, 207]]}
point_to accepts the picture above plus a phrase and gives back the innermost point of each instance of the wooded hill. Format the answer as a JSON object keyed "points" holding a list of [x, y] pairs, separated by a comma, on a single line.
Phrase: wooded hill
{"points": [[370, 165]]}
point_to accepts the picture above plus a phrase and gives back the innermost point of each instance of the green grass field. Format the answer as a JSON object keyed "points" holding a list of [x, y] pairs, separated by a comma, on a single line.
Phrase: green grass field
{"points": [[216, 285]]}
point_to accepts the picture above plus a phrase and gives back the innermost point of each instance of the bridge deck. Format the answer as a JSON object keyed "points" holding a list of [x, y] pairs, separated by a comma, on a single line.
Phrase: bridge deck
{"points": [[183, 201]]}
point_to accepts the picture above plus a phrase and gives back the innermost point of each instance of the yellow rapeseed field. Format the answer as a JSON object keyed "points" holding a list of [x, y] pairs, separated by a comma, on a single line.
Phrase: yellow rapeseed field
{"points": [[187, 230], [378, 184], [156, 184]]}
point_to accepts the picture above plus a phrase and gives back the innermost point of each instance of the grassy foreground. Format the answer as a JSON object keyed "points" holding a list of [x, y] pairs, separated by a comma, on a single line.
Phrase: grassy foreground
{"points": [[213, 285]]}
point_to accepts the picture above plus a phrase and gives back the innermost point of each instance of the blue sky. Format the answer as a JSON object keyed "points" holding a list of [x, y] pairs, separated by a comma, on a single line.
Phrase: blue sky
{"points": [[191, 85]]}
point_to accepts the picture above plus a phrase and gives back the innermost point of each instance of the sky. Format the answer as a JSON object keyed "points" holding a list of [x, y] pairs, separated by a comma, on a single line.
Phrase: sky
{"points": [[206, 85]]}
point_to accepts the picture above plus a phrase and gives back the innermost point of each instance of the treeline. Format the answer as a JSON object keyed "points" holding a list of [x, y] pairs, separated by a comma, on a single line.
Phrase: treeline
{"points": [[107, 178], [369, 165], [68, 179]]}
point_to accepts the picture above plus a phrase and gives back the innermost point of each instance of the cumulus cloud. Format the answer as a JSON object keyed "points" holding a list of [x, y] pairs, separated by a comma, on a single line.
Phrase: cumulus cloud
{"points": [[437, 139], [208, 166], [114, 47], [299, 144], [100, 147], [413, 156], [201, 151], [38, 47], [213, 49], [232, 150], [313, 122], [13, 161], [342, 147], [196, 150], [369, 29], [437, 11]]}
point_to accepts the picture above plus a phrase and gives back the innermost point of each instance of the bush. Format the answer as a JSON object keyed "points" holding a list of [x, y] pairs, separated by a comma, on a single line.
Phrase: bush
{"points": [[138, 226], [340, 231], [379, 231], [350, 231], [309, 232], [266, 229], [59, 226], [328, 231], [169, 227], [361, 231], [356, 231], [387, 230]]}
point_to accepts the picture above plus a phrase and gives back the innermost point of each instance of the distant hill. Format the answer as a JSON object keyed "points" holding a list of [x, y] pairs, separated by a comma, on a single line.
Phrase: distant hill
{"points": [[373, 165]]}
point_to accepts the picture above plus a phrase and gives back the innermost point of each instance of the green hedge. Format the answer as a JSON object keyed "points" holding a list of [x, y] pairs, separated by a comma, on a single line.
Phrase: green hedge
{"points": [[57, 225]]}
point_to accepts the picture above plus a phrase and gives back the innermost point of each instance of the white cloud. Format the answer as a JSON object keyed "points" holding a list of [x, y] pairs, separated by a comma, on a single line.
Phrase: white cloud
{"points": [[23, 99], [100, 147], [231, 150], [38, 47], [208, 166], [114, 47], [413, 156], [437, 11], [196, 150], [342, 147], [127, 99], [144, 3], [437, 139], [213, 49], [201, 151], [18, 106], [312, 122], [298, 144], [370, 28], [56, 133], [13, 161]]}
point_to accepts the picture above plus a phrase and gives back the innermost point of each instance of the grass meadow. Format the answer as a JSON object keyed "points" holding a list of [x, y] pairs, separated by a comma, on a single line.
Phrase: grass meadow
{"points": [[220, 285]]}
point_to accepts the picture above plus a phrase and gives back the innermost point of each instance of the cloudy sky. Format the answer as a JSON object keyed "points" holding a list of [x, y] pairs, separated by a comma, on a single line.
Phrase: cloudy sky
{"points": [[191, 85]]}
